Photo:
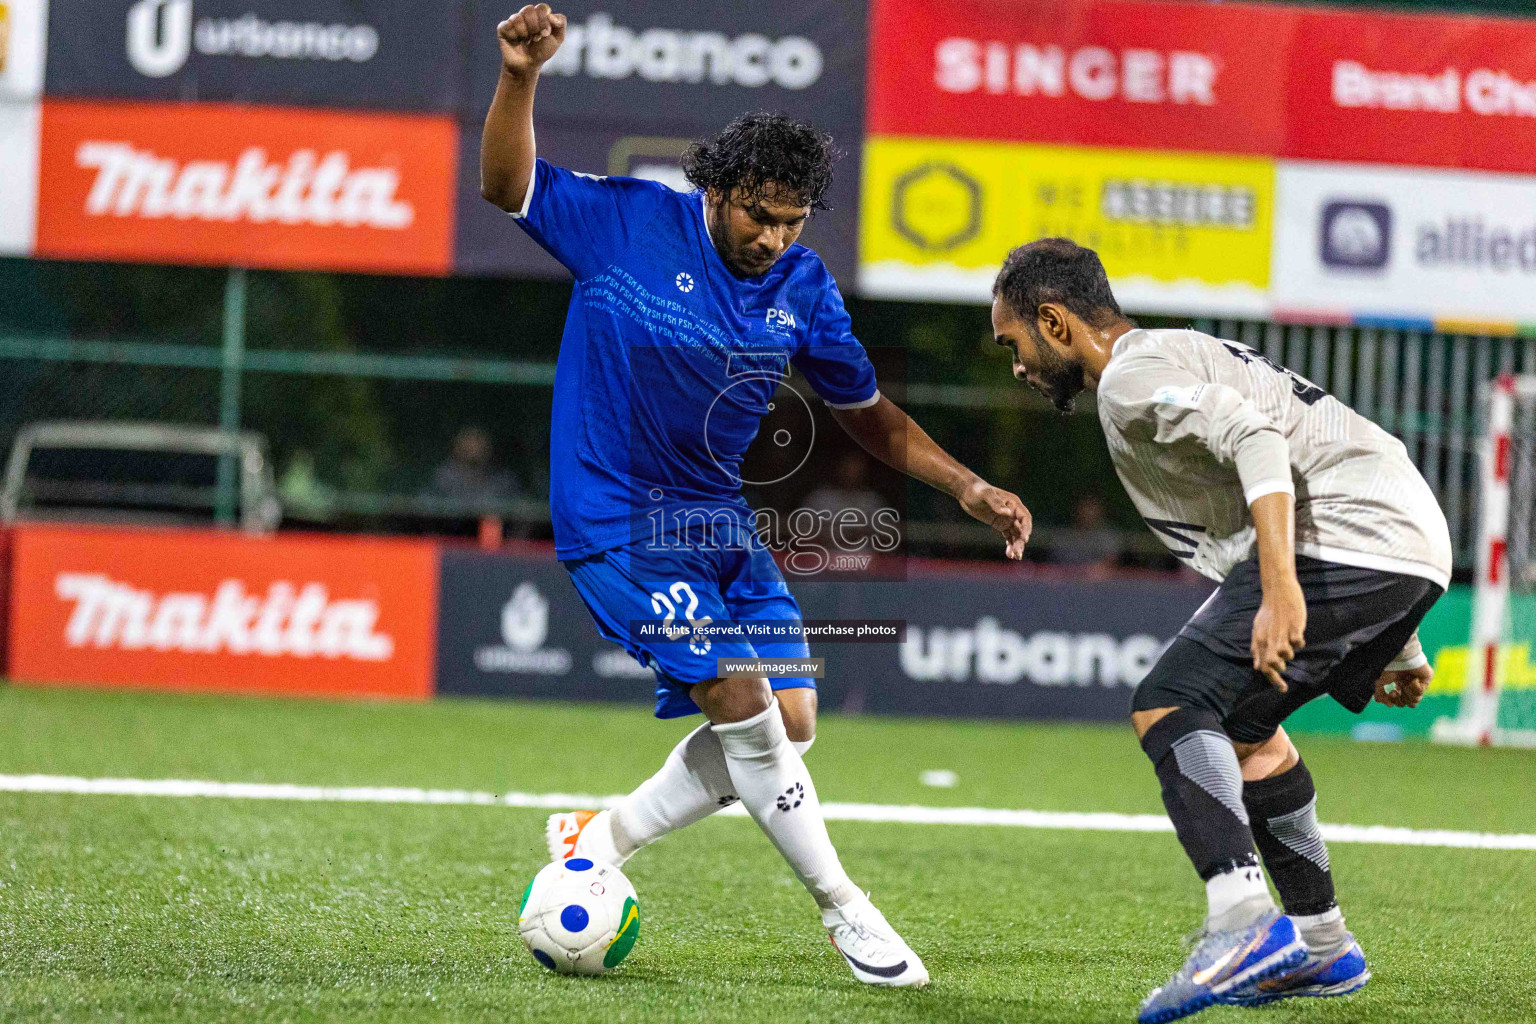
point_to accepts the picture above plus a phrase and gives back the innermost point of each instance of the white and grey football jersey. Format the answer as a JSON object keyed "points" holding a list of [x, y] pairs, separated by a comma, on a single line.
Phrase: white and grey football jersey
{"points": [[1199, 428]]}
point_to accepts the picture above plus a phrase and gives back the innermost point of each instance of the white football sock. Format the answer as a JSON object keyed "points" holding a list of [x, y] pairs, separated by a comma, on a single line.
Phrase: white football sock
{"points": [[1237, 898], [693, 784], [1321, 932], [777, 791]]}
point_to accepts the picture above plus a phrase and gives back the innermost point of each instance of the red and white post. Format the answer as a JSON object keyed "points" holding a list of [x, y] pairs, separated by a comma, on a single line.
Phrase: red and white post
{"points": [[1479, 715], [1492, 596]]}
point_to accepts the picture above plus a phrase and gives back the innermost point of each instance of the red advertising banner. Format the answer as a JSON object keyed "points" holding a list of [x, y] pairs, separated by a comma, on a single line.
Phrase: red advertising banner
{"points": [[191, 610], [252, 186], [1405, 89], [1114, 73], [1231, 78]]}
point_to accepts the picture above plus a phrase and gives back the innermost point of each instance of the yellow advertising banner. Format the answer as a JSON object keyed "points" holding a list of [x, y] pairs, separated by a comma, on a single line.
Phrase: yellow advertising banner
{"points": [[1178, 232]]}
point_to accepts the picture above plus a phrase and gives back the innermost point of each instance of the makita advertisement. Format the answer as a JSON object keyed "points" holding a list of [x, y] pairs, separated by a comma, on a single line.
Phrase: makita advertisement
{"points": [[513, 625], [255, 186], [174, 609], [334, 53], [637, 80]]}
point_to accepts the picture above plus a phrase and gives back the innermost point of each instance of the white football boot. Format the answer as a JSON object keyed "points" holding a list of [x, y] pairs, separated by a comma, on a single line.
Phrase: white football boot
{"points": [[874, 951], [582, 834]]}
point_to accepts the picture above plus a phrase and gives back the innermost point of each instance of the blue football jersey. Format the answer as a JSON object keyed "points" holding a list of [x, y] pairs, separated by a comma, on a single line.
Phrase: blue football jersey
{"points": [[668, 360]]}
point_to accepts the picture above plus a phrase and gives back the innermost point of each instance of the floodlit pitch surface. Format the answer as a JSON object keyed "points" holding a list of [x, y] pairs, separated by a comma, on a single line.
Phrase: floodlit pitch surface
{"points": [[211, 909]]}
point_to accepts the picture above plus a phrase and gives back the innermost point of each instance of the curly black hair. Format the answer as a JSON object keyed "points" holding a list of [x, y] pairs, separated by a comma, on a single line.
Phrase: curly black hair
{"points": [[765, 156], [1056, 270]]}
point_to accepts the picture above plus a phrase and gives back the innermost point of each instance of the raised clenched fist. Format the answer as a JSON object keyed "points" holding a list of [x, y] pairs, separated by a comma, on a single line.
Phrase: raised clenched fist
{"points": [[529, 38]]}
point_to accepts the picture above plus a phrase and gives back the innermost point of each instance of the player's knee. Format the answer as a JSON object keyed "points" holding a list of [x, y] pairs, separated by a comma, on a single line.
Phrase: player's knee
{"points": [[1160, 735], [798, 706], [1143, 720], [734, 699], [1274, 756]]}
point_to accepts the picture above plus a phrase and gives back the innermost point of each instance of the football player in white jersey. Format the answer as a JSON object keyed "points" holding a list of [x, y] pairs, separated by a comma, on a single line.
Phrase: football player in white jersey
{"points": [[1328, 548]]}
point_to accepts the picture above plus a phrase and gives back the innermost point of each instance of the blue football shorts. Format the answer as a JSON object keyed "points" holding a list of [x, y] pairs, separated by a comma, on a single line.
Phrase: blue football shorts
{"points": [[641, 583]]}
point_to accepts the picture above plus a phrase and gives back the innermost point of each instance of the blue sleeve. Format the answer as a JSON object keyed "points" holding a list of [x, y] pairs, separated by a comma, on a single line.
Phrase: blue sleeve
{"points": [[585, 221], [832, 358]]}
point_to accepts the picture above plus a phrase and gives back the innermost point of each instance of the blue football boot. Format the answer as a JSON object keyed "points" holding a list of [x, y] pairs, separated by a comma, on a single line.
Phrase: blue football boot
{"points": [[1223, 961], [1337, 972]]}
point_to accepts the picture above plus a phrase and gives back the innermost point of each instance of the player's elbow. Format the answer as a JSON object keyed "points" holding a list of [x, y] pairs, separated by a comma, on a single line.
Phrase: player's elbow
{"points": [[499, 193]]}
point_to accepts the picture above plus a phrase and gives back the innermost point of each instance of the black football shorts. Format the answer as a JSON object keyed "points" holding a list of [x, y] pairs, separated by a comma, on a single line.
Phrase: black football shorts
{"points": [[1357, 623]]}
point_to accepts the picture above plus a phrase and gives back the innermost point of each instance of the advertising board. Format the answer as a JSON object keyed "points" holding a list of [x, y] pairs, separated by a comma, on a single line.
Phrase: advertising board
{"points": [[252, 186], [1185, 76], [191, 610], [1448, 91], [1176, 231], [23, 35], [512, 625], [389, 55], [1366, 242], [18, 170]]}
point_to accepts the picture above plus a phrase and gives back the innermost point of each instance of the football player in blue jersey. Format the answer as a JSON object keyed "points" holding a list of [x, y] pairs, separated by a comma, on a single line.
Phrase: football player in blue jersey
{"points": [[687, 311]]}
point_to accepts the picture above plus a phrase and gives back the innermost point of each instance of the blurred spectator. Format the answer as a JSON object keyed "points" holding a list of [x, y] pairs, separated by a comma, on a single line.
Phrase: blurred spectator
{"points": [[303, 494], [849, 489], [1090, 543], [468, 479]]}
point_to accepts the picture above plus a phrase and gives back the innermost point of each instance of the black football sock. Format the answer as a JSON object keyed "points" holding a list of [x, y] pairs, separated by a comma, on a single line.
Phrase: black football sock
{"points": [[1202, 790], [1283, 810]]}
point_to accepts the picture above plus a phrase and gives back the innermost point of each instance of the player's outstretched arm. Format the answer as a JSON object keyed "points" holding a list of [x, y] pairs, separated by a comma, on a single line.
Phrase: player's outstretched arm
{"points": [[528, 39], [1281, 623], [891, 436]]}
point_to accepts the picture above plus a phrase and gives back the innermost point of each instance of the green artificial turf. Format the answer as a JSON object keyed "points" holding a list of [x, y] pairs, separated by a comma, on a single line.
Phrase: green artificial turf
{"points": [[212, 910]]}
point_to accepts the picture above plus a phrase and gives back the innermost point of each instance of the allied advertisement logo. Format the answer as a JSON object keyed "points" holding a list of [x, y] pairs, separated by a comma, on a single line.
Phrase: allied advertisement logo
{"points": [[254, 186], [1187, 233], [524, 628], [192, 610], [326, 53], [1355, 235], [1410, 244], [19, 125]]}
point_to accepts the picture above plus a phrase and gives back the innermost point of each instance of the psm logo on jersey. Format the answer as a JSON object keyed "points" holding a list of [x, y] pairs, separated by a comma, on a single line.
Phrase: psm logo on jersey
{"points": [[779, 321], [685, 282]]}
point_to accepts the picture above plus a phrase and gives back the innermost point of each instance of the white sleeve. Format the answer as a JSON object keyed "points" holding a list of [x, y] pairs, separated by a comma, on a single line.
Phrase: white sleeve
{"points": [[1411, 657], [1151, 393]]}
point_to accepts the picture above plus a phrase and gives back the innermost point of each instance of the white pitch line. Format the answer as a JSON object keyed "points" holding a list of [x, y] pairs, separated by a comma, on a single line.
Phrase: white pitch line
{"points": [[1095, 821]]}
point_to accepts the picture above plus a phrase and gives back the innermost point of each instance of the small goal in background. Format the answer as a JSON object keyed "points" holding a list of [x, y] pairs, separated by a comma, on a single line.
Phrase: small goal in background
{"points": [[1498, 705]]}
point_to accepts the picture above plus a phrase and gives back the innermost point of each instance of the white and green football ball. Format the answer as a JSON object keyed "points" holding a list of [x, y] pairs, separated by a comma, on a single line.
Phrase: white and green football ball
{"points": [[579, 917]]}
